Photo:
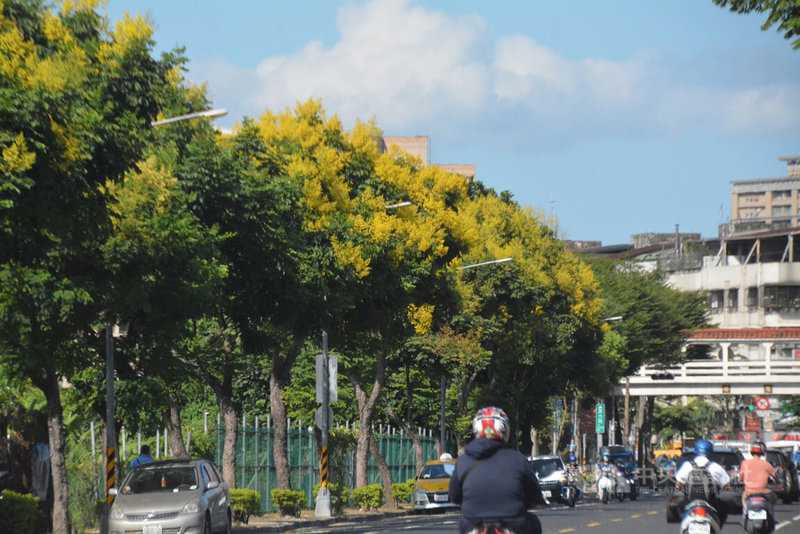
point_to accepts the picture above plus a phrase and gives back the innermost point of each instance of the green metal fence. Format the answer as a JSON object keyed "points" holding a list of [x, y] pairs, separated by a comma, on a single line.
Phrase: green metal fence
{"points": [[256, 467]]}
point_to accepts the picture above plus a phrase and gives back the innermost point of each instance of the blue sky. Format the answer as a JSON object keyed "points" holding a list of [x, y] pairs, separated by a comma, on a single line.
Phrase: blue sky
{"points": [[618, 116]]}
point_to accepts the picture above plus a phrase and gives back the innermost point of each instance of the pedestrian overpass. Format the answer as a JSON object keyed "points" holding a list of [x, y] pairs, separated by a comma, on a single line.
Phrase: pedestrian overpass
{"points": [[744, 361]]}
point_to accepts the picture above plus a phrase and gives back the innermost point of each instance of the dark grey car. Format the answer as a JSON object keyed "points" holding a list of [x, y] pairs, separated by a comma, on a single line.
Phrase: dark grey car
{"points": [[171, 497]]}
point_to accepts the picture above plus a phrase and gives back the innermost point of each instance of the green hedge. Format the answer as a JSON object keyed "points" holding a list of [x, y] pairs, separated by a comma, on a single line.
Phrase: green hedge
{"points": [[19, 513], [289, 502], [402, 491], [368, 497], [244, 502]]}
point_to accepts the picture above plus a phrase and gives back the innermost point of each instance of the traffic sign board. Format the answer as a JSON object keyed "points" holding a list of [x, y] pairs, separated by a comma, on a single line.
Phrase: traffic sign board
{"points": [[762, 403], [333, 365], [319, 418], [600, 418]]}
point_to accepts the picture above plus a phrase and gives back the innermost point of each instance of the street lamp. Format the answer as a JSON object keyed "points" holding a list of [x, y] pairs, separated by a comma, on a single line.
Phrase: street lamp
{"points": [[503, 260], [111, 438], [208, 114]]}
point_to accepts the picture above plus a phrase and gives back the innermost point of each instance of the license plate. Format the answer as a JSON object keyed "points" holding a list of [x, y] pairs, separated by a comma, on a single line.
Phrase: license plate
{"points": [[546, 493], [441, 497], [699, 528], [151, 529], [757, 514]]}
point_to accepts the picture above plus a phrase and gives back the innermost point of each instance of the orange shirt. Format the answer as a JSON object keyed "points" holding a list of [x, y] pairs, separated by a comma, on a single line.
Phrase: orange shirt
{"points": [[755, 474]]}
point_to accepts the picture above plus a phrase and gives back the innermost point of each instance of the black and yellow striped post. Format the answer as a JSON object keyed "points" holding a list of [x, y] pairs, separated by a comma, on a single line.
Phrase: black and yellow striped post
{"points": [[110, 465], [323, 500], [324, 467]]}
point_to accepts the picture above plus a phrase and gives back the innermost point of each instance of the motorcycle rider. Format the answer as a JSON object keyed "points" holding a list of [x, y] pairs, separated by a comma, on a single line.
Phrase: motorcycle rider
{"points": [[756, 472], [493, 483], [572, 466], [702, 450], [607, 468]]}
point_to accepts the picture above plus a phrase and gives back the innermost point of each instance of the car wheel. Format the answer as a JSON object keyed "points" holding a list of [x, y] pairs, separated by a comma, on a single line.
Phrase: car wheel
{"points": [[227, 529]]}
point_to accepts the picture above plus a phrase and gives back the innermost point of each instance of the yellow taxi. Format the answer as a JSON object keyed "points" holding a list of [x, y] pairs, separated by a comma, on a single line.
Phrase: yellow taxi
{"points": [[433, 483]]}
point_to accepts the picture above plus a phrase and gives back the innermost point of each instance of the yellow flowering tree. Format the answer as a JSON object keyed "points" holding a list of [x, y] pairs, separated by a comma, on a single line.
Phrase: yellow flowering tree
{"points": [[77, 97], [538, 315]]}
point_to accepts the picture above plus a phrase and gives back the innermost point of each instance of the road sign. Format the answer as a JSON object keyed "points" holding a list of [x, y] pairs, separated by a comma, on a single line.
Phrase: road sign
{"points": [[333, 361], [319, 417], [762, 403], [600, 419]]}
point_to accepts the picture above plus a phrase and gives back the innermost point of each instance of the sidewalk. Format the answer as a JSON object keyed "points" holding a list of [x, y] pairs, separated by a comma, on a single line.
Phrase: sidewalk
{"points": [[275, 523]]}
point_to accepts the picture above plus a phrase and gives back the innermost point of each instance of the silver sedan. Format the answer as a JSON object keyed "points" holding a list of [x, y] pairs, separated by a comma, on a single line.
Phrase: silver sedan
{"points": [[171, 497]]}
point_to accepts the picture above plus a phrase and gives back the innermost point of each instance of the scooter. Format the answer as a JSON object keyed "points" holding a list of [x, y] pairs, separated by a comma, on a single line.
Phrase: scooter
{"points": [[758, 518], [569, 489], [606, 487], [700, 518]]}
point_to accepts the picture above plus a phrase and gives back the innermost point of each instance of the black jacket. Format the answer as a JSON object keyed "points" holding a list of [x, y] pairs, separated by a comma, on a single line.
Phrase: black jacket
{"points": [[503, 486]]}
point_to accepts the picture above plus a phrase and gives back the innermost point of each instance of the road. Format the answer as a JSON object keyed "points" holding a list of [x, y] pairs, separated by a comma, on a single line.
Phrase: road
{"points": [[645, 515]]}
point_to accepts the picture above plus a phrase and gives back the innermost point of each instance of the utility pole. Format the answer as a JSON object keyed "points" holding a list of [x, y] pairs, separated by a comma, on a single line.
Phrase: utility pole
{"points": [[325, 395]]}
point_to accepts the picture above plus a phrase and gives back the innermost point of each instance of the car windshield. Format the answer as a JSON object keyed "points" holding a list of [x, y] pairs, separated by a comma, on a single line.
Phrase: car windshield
{"points": [[624, 462], [437, 471], [775, 458], [160, 479], [544, 467]]}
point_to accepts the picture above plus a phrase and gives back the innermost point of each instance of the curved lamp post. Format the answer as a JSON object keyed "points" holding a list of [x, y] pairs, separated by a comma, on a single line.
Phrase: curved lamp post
{"points": [[111, 438]]}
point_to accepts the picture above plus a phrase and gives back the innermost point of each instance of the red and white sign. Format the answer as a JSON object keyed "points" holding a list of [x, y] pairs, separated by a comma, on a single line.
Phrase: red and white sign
{"points": [[762, 403]]}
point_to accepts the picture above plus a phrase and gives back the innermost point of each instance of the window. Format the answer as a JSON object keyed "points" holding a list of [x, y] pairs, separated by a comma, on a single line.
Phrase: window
{"points": [[715, 299], [782, 297], [751, 198], [733, 298], [783, 209], [781, 195], [784, 352]]}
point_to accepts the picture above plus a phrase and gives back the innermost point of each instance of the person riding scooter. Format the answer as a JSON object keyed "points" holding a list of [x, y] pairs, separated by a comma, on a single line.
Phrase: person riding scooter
{"points": [[608, 470], [718, 477], [493, 483], [755, 474]]}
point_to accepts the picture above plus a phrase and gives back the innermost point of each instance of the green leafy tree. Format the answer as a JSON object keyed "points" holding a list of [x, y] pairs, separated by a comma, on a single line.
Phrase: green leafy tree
{"points": [[691, 420], [78, 99], [784, 13]]}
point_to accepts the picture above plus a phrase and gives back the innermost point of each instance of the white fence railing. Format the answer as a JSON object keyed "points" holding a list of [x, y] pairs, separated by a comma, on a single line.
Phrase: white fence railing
{"points": [[723, 369]]}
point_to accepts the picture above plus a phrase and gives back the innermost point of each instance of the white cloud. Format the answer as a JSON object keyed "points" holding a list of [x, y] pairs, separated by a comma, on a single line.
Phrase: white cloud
{"points": [[419, 71], [400, 63]]}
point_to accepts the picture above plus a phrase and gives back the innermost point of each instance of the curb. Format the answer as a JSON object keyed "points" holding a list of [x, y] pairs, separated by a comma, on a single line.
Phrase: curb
{"points": [[291, 525]]}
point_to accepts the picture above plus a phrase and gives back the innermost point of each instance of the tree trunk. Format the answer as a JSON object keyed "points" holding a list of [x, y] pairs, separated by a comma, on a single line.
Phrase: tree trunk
{"points": [[412, 433], [282, 364], [281, 446], [464, 389], [534, 441], [223, 390], [173, 423], [562, 421], [386, 474], [58, 466], [366, 411]]}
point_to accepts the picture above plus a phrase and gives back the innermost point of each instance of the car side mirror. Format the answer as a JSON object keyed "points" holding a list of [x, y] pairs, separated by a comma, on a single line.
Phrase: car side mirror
{"points": [[213, 484]]}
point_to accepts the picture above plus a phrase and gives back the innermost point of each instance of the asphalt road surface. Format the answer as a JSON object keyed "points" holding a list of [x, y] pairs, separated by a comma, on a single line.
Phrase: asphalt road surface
{"points": [[643, 516]]}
